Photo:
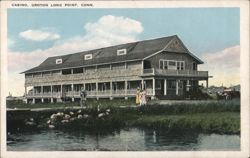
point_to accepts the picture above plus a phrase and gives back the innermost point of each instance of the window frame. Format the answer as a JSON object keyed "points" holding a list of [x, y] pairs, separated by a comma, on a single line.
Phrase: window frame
{"points": [[59, 61], [118, 52], [165, 64], [171, 84], [174, 61], [88, 56], [182, 67], [194, 66], [161, 64]]}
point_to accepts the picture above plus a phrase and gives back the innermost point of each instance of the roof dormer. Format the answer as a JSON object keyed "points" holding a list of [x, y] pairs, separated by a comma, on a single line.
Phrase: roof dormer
{"points": [[58, 61], [121, 51], [88, 56]]}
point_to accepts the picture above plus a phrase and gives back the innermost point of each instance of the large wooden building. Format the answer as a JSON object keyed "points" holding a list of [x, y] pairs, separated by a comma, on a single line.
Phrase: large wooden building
{"points": [[163, 66]]}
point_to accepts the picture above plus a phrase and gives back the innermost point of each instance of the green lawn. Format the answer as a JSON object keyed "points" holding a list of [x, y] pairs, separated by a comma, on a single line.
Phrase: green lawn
{"points": [[90, 102]]}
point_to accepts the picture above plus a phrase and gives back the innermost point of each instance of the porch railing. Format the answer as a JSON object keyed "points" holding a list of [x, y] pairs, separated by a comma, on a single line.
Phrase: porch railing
{"points": [[120, 92], [83, 76], [175, 72]]}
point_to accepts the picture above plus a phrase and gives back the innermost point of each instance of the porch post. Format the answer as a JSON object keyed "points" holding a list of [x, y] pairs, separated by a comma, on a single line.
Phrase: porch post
{"points": [[142, 66], [42, 90], [165, 86], [61, 89], [206, 83], [188, 85], [42, 94], [72, 91], [61, 94], [25, 91], [26, 99], [111, 89], [142, 84], [126, 90], [96, 85], [153, 88], [33, 101], [33, 91], [51, 90], [177, 87]]}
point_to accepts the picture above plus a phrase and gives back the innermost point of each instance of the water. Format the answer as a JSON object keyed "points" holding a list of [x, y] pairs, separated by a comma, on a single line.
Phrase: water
{"points": [[133, 139]]}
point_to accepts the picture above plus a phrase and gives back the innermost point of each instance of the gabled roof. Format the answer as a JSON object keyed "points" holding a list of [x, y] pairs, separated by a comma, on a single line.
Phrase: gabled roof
{"points": [[135, 51]]}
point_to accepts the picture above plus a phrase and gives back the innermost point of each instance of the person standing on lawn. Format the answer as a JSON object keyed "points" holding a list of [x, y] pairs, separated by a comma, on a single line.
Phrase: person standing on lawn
{"points": [[137, 97], [143, 97]]}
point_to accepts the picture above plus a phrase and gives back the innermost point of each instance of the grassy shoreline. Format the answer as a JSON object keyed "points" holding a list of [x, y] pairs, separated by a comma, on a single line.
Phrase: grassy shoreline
{"points": [[222, 122], [222, 117]]}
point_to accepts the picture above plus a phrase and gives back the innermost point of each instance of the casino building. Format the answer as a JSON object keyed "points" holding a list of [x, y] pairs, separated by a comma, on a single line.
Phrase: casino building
{"points": [[163, 66]]}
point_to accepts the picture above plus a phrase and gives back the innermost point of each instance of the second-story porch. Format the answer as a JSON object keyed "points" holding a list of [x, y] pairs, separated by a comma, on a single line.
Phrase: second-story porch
{"points": [[175, 73], [106, 75]]}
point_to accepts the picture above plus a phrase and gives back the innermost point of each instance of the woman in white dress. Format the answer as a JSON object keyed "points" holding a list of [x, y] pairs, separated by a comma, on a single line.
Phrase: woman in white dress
{"points": [[143, 97]]}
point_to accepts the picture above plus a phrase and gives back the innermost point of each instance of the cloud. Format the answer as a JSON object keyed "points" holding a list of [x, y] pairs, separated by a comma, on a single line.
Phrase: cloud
{"points": [[224, 66], [39, 35], [114, 27], [106, 31]]}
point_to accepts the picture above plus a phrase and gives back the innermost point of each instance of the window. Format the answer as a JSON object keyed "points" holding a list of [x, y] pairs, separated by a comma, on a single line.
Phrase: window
{"points": [[28, 75], [90, 69], [171, 84], [122, 52], [66, 71], [46, 73], [37, 74], [180, 84], [180, 65], [165, 64], [118, 66], [103, 67], [87, 56], [194, 66], [134, 65], [77, 70], [171, 64], [58, 61], [158, 84], [161, 64], [57, 72]]}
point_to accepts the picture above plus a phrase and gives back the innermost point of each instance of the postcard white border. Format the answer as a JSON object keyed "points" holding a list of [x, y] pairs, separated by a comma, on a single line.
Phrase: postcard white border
{"points": [[244, 72]]}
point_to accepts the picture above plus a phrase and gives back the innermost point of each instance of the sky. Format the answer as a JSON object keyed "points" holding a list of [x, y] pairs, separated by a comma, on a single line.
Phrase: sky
{"points": [[212, 34]]}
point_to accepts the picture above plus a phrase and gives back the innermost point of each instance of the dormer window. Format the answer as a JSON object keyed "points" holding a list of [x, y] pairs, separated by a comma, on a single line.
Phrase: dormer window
{"points": [[58, 61], [122, 52], [87, 56]]}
